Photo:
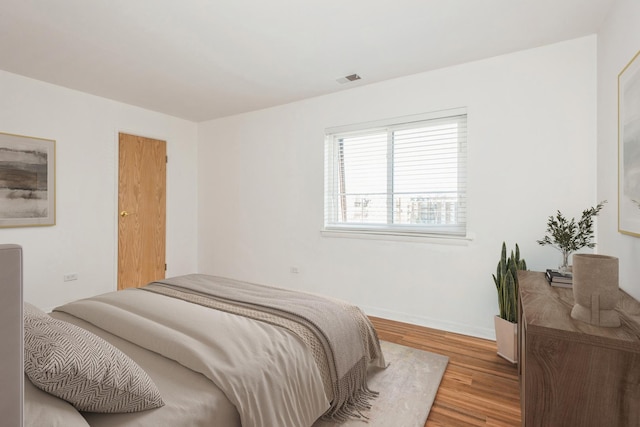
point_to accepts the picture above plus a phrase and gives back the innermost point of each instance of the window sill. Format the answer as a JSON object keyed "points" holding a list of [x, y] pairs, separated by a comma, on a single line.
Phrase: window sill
{"points": [[402, 237]]}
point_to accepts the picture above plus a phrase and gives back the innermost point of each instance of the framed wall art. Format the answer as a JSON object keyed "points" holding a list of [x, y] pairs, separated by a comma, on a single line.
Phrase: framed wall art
{"points": [[629, 148], [27, 181]]}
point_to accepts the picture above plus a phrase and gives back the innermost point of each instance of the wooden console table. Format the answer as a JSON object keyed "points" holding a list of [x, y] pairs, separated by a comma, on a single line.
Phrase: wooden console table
{"points": [[572, 373]]}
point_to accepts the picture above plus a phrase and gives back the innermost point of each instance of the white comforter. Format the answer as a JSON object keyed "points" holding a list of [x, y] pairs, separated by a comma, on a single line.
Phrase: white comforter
{"points": [[265, 371]]}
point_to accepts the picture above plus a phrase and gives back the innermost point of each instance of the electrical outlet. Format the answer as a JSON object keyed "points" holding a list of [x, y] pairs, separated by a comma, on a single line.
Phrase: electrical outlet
{"points": [[69, 277], [294, 270]]}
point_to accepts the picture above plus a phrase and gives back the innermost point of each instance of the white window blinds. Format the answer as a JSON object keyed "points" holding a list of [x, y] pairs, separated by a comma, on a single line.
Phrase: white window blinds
{"points": [[398, 176]]}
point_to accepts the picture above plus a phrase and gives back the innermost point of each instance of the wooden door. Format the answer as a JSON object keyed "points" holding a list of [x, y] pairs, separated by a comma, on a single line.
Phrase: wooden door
{"points": [[142, 171]]}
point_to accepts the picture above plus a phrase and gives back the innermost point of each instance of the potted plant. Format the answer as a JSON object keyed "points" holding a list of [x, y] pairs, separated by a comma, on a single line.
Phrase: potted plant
{"points": [[569, 236], [506, 281]]}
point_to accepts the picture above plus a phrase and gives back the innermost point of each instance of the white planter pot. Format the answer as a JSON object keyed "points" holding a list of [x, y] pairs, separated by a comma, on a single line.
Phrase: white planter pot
{"points": [[507, 339]]}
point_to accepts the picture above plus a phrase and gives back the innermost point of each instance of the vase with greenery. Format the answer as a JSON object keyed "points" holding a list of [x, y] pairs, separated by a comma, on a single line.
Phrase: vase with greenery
{"points": [[568, 236], [506, 280]]}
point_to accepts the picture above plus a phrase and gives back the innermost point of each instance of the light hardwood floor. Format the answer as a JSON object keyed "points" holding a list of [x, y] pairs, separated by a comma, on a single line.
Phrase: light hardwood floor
{"points": [[479, 388]]}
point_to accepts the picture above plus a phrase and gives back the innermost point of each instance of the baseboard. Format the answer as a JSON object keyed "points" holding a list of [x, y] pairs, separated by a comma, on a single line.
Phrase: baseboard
{"points": [[474, 331]]}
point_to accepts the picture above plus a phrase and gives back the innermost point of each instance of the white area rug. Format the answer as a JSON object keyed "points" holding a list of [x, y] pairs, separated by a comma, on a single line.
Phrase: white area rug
{"points": [[407, 387]]}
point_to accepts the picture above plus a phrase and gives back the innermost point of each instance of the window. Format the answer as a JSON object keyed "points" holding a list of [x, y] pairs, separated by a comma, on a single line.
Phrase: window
{"points": [[404, 176]]}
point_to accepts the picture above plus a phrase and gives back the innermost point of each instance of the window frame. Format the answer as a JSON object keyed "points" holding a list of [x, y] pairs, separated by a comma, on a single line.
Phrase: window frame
{"points": [[331, 227]]}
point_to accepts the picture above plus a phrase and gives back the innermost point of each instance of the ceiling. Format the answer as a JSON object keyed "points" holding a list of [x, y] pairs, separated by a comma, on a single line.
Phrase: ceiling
{"points": [[204, 59]]}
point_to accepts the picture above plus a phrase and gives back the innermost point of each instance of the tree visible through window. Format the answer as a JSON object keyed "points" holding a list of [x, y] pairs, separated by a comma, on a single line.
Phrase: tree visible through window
{"points": [[405, 177]]}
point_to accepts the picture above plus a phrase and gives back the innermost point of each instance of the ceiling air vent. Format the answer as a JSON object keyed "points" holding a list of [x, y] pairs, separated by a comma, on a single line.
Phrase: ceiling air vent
{"points": [[349, 78]]}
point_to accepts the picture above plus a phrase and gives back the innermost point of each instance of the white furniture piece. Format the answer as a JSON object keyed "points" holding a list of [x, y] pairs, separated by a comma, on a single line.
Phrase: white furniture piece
{"points": [[11, 334]]}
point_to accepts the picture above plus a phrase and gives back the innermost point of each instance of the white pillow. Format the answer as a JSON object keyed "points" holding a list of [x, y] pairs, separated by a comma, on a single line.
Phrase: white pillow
{"points": [[44, 409], [76, 365]]}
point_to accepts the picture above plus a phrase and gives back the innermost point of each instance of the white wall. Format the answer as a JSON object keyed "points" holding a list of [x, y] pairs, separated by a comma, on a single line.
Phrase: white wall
{"points": [[84, 240], [618, 42], [532, 150]]}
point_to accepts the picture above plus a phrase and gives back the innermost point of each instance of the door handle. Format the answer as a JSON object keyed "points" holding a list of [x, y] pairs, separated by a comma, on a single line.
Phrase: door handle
{"points": [[124, 213]]}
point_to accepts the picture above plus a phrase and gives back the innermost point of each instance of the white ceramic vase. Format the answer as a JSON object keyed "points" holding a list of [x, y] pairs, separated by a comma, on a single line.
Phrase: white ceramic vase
{"points": [[507, 339]]}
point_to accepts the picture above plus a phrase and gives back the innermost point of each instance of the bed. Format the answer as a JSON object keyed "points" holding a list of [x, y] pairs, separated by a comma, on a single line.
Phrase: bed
{"points": [[198, 350]]}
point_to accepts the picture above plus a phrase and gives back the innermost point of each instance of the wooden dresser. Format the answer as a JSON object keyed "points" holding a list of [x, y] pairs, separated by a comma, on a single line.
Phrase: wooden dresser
{"points": [[573, 373]]}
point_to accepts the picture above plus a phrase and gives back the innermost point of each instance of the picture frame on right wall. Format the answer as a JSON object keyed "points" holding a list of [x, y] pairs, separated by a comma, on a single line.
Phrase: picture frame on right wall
{"points": [[629, 148]]}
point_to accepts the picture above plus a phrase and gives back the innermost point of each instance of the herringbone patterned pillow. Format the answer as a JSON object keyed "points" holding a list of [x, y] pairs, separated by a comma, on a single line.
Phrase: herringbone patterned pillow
{"points": [[76, 365]]}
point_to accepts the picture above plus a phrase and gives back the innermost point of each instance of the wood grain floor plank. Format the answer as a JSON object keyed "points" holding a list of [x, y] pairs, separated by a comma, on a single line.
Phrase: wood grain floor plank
{"points": [[479, 388]]}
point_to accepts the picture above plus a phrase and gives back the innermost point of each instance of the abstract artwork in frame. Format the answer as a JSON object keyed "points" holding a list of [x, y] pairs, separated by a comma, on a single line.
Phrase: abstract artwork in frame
{"points": [[27, 181], [629, 148]]}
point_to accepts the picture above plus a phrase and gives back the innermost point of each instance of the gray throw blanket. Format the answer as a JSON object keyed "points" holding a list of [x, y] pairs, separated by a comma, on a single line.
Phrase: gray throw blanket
{"points": [[341, 337]]}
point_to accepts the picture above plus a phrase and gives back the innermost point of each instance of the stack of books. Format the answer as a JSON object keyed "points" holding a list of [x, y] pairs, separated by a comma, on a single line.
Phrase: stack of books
{"points": [[558, 279]]}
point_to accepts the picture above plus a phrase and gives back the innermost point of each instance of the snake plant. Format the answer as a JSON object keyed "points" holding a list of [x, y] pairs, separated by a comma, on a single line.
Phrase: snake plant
{"points": [[506, 280]]}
